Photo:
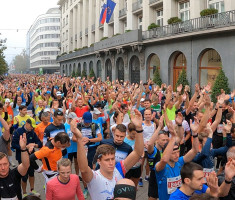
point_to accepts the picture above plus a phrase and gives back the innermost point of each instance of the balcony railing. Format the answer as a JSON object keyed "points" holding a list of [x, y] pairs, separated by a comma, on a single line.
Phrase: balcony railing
{"points": [[86, 31], [122, 12], [137, 5], [101, 25], [111, 19], [93, 28], [153, 1], [218, 20]]}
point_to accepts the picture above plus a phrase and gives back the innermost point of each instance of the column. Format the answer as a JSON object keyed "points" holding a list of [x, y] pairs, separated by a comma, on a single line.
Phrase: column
{"points": [[170, 9]]}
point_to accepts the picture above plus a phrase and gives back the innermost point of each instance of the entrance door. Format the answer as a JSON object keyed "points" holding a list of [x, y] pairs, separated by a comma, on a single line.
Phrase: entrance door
{"points": [[135, 70], [179, 63], [176, 73], [108, 66], [120, 67]]}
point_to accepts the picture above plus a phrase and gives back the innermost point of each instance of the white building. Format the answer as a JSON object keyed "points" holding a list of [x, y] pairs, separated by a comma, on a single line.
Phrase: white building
{"points": [[201, 45], [44, 44]]}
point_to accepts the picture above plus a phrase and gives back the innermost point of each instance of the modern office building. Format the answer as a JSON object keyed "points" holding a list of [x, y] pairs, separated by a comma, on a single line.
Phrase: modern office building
{"points": [[125, 49], [44, 42]]}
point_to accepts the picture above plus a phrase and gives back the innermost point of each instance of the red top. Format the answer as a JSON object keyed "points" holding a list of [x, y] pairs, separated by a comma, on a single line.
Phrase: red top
{"points": [[60, 191], [80, 111]]}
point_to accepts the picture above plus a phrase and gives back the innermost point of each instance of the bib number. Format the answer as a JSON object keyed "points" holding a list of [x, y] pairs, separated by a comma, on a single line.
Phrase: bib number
{"points": [[173, 184]]}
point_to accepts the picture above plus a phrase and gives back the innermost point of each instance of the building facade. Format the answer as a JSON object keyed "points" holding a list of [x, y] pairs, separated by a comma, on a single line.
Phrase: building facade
{"points": [[125, 49], [44, 42]]}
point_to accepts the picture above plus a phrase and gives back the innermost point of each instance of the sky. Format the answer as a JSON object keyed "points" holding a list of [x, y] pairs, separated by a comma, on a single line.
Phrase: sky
{"points": [[16, 17]]}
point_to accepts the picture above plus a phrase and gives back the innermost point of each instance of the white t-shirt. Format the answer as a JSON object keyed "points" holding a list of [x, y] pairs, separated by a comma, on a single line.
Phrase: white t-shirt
{"points": [[185, 125], [148, 131], [126, 119], [101, 188]]}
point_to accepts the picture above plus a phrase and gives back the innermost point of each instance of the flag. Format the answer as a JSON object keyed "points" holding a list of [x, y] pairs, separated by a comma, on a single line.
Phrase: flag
{"points": [[110, 8], [103, 13]]}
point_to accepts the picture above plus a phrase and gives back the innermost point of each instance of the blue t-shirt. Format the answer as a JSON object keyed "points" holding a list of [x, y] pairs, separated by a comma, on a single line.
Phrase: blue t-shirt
{"points": [[73, 145], [122, 151], [179, 195], [99, 121], [164, 188]]}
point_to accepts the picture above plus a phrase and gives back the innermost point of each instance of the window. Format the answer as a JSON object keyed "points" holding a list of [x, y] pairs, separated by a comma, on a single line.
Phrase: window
{"points": [[67, 19], [125, 26], [184, 11], [217, 4], [159, 18], [140, 19]]}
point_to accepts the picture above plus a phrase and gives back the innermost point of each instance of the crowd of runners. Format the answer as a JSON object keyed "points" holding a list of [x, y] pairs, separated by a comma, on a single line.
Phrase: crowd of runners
{"points": [[118, 136]]}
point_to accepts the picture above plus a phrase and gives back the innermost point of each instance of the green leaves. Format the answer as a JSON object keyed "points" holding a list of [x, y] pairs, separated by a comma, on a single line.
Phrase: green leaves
{"points": [[157, 78], [182, 79], [221, 82]]}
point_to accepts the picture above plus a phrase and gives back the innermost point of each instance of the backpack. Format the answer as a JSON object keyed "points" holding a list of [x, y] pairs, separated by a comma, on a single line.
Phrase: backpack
{"points": [[93, 128]]}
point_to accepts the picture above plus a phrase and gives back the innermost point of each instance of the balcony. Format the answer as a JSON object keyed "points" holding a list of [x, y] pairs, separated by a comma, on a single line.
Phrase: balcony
{"points": [[137, 5], [101, 25], [93, 28], [153, 1], [122, 12], [86, 31], [207, 23], [111, 19]]}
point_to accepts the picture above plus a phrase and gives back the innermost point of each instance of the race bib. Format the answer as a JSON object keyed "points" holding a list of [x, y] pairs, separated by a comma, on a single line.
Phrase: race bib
{"points": [[120, 155], [207, 172], [79, 120], [70, 134], [173, 184], [220, 128], [86, 133]]}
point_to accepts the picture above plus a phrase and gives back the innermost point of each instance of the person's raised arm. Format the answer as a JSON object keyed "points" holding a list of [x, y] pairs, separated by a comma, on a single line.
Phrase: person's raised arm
{"points": [[136, 154], [193, 99], [218, 114], [86, 171], [23, 167], [195, 145], [155, 136], [6, 132], [169, 149]]}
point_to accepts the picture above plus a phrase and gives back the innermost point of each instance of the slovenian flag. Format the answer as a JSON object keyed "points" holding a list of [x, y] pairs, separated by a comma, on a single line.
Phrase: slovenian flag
{"points": [[103, 13], [110, 8]]}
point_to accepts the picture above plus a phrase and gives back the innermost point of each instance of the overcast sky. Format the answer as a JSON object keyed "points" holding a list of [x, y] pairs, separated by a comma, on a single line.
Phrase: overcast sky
{"points": [[16, 17]]}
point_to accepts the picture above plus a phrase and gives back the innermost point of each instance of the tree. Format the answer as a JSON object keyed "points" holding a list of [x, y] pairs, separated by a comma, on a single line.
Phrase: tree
{"points": [[221, 82], [157, 78], [73, 74], [92, 74], [84, 73], [21, 62], [182, 79], [3, 63], [78, 73]]}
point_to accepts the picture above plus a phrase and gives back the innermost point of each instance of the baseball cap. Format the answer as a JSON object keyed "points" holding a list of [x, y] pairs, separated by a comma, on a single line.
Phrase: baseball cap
{"points": [[58, 112], [87, 117], [96, 111], [31, 122], [58, 93], [72, 115], [142, 99], [7, 100], [48, 92]]}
